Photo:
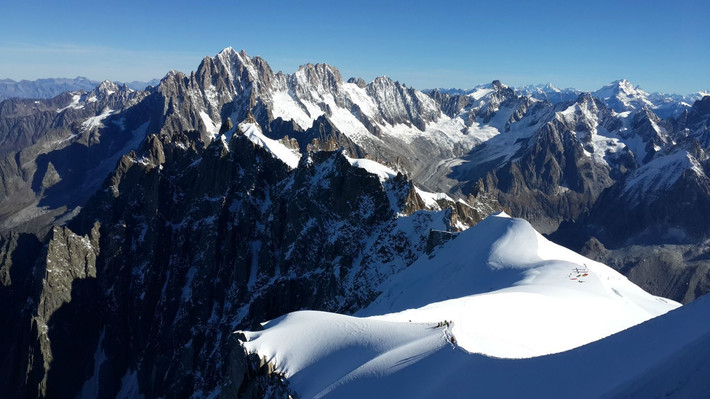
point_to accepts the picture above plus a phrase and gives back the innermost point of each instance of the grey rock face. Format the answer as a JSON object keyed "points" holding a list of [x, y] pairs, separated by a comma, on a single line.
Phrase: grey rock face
{"points": [[20, 280], [194, 243], [69, 259], [359, 82], [399, 104], [659, 268], [651, 211], [324, 136], [694, 123], [450, 104], [530, 186], [662, 216], [49, 332], [650, 205], [55, 153]]}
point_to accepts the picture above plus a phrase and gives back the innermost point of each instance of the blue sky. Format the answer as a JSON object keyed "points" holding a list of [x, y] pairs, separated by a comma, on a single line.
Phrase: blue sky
{"points": [[659, 45]]}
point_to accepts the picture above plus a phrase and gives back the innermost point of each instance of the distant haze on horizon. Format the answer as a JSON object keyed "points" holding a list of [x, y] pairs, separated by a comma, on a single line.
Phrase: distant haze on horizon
{"points": [[658, 46]]}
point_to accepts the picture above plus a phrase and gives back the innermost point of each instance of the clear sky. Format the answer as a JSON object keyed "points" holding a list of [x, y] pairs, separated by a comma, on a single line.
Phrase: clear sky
{"points": [[659, 45]]}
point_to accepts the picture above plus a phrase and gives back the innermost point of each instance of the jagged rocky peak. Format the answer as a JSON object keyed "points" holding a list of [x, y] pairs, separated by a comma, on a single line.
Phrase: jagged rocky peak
{"points": [[108, 87], [588, 101], [502, 91], [241, 67], [648, 126], [113, 96], [621, 86], [69, 263], [230, 57], [450, 101], [694, 122], [497, 85], [358, 81], [171, 81], [699, 113], [231, 72], [228, 84], [171, 75], [313, 82], [324, 136], [400, 104], [489, 103], [382, 84], [586, 110], [320, 77], [460, 214], [622, 96], [152, 150]]}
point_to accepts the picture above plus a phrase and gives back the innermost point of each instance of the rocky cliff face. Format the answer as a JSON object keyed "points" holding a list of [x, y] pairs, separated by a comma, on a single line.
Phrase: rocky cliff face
{"points": [[664, 199], [185, 244], [674, 271], [660, 204], [551, 163], [624, 177], [694, 123], [56, 153], [50, 333], [19, 291], [551, 182]]}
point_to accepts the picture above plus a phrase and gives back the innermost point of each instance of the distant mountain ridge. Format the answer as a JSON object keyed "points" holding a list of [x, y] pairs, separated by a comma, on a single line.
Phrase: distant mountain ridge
{"points": [[663, 104], [51, 87]]}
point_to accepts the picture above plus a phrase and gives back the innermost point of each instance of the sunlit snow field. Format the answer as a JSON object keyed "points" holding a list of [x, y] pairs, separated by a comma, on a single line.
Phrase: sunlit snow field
{"points": [[512, 298]]}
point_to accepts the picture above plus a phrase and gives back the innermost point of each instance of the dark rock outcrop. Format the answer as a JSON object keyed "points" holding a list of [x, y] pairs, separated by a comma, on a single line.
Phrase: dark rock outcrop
{"points": [[194, 243]]}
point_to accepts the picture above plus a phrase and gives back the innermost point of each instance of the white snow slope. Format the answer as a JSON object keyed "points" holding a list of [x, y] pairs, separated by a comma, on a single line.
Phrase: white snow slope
{"points": [[275, 148], [381, 171], [510, 294]]}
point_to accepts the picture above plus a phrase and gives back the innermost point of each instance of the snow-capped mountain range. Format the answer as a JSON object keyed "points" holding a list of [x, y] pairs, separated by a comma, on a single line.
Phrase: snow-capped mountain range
{"points": [[488, 141], [619, 95], [140, 228], [437, 139], [622, 96]]}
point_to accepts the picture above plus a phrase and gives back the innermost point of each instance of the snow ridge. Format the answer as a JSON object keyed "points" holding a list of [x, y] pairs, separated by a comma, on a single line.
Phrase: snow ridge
{"points": [[275, 148], [503, 290]]}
